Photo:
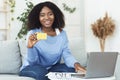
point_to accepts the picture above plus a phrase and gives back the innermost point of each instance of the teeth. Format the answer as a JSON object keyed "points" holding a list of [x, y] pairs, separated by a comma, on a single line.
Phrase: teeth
{"points": [[47, 22]]}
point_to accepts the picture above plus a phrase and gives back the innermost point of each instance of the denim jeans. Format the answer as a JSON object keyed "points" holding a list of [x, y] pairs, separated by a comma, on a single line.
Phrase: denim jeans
{"points": [[38, 72]]}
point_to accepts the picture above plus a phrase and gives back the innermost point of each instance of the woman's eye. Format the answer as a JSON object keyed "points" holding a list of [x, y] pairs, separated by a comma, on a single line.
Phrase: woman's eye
{"points": [[42, 15], [50, 14]]}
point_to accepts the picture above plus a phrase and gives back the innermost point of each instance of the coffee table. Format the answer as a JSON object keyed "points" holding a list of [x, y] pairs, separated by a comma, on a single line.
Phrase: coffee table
{"points": [[67, 76]]}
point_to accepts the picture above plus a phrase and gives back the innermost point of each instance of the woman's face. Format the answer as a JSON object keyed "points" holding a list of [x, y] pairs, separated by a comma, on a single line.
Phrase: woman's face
{"points": [[46, 17]]}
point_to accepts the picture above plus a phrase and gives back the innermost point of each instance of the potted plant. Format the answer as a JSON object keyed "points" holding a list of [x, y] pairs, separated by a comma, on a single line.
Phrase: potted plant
{"points": [[103, 28], [23, 18]]}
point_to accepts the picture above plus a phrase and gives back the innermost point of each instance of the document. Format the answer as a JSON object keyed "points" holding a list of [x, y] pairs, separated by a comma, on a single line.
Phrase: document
{"points": [[72, 76]]}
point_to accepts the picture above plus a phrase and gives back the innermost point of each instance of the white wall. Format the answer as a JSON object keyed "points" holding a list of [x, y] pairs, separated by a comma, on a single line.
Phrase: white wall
{"points": [[94, 9]]}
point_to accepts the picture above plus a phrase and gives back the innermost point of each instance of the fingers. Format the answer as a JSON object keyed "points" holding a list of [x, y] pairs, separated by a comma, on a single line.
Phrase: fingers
{"points": [[78, 68], [81, 69], [33, 37]]}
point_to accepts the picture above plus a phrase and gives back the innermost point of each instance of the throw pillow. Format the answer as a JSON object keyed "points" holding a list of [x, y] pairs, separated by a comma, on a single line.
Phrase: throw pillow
{"points": [[10, 60], [23, 49]]}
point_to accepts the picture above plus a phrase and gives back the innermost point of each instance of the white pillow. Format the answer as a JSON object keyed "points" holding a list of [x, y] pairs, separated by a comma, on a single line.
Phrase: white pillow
{"points": [[77, 48], [10, 60], [23, 49]]}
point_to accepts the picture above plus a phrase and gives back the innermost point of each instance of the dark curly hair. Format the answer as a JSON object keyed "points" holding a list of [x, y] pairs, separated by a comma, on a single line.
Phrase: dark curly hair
{"points": [[33, 17]]}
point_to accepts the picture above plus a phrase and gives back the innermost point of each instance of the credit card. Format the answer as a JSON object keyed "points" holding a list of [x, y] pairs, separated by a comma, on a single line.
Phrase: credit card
{"points": [[41, 36]]}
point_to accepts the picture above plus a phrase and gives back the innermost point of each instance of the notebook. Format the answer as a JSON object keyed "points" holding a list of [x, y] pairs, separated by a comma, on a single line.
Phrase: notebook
{"points": [[99, 65]]}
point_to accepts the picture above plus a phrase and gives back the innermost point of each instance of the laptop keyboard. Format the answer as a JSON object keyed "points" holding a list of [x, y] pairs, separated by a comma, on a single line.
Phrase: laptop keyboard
{"points": [[77, 75]]}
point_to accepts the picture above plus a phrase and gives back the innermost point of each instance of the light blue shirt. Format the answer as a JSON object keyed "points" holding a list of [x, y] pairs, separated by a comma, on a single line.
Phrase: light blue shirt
{"points": [[50, 51]]}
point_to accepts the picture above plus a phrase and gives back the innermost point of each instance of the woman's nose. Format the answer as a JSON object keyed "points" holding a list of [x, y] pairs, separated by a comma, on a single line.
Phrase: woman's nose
{"points": [[46, 17]]}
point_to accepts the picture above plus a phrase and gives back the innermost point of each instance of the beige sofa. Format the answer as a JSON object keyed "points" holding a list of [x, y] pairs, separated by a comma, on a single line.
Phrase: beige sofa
{"points": [[12, 54]]}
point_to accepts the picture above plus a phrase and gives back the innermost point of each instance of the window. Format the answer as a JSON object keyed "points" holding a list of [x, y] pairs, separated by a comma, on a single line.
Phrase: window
{"points": [[4, 19]]}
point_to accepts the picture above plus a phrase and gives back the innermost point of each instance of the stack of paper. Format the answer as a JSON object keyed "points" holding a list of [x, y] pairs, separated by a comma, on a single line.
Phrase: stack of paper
{"points": [[72, 76], [61, 76]]}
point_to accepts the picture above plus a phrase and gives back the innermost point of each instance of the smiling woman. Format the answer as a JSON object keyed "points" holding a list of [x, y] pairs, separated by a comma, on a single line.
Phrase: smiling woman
{"points": [[46, 17], [44, 55]]}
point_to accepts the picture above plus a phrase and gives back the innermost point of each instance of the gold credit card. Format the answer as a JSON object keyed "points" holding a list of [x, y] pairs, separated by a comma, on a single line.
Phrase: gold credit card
{"points": [[41, 36]]}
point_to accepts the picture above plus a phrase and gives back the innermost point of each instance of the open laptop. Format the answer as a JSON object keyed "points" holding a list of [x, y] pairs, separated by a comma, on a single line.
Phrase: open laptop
{"points": [[99, 65]]}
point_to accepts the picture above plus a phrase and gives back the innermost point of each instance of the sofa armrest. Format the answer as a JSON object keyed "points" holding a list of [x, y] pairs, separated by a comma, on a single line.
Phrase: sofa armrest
{"points": [[117, 70]]}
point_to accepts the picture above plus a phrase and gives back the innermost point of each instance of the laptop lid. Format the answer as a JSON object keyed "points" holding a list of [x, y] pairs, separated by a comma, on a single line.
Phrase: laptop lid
{"points": [[101, 64]]}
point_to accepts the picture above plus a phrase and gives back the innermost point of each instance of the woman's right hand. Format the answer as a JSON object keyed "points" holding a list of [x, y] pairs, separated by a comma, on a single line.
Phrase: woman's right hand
{"points": [[32, 40]]}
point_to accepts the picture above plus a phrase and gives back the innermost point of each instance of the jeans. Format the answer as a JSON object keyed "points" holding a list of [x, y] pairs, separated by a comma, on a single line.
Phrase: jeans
{"points": [[38, 72]]}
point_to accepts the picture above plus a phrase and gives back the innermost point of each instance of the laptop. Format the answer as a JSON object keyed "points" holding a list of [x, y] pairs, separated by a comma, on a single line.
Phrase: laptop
{"points": [[99, 65]]}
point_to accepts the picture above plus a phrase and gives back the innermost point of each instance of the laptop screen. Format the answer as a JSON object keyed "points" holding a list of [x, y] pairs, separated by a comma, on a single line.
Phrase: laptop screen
{"points": [[101, 64]]}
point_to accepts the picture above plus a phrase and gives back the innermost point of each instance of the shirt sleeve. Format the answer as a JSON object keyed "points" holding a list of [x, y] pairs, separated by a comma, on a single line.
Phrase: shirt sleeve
{"points": [[67, 56], [32, 56]]}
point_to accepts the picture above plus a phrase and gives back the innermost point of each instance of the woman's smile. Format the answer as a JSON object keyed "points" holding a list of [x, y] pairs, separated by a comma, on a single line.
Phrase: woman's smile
{"points": [[46, 17]]}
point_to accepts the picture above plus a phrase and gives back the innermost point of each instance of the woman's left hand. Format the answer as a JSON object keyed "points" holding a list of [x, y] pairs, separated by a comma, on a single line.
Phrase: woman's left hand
{"points": [[79, 68]]}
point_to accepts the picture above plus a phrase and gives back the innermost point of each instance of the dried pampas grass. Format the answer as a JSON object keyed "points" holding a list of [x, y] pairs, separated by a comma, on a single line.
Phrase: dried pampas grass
{"points": [[103, 28]]}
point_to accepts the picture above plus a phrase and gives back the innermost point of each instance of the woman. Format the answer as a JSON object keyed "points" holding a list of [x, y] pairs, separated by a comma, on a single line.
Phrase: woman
{"points": [[44, 55]]}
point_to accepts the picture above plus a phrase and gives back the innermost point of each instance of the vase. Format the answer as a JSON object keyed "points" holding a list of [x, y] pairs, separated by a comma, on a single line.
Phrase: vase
{"points": [[102, 45]]}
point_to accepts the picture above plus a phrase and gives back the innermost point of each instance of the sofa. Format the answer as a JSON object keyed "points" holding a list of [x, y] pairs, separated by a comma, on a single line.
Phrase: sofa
{"points": [[12, 54]]}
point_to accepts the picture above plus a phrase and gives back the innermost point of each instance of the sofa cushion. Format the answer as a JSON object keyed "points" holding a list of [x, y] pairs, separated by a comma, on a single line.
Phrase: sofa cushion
{"points": [[23, 49], [14, 77], [77, 48], [10, 60]]}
